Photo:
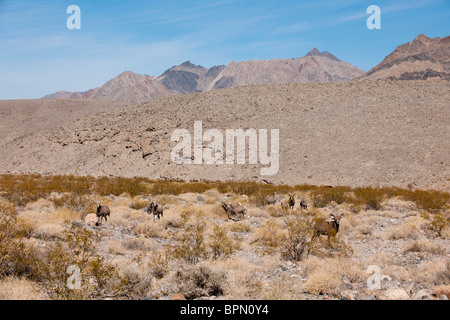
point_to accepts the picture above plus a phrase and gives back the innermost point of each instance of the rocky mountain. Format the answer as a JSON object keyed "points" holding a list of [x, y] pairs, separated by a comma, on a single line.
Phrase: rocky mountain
{"points": [[131, 87], [316, 66], [189, 78], [423, 58], [126, 87]]}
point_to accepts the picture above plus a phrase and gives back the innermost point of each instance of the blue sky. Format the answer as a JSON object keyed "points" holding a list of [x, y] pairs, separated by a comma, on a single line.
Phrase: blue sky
{"points": [[40, 55]]}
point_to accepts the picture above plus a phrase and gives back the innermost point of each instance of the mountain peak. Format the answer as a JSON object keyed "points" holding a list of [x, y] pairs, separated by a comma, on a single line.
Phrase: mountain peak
{"points": [[316, 52], [188, 64], [421, 37], [127, 73], [313, 52]]}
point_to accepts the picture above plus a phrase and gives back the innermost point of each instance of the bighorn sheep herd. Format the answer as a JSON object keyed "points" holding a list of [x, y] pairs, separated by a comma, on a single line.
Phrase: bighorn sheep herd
{"points": [[236, 211], [290, 203]]}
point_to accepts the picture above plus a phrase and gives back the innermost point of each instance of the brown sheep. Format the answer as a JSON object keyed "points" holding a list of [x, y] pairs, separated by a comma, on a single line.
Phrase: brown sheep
{"points": [[291, 201], [328, 228], [303, 204], [272, 199], [155, 209], [102, 212], [234, 209]]}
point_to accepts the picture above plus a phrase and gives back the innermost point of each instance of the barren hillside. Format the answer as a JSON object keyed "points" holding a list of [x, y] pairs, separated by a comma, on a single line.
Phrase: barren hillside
{"points": [[342, 133], [21, 118]]}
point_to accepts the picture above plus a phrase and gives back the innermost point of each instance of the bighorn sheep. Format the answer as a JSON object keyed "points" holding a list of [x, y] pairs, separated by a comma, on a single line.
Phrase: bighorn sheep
{"points": [[291, 201], [328, 228], [155, 209], [272, 199], [102, 212], [303, 204], [234, 209]]}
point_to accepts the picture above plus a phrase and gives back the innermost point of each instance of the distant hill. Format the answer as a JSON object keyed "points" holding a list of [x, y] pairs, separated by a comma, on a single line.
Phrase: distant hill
{"points": [[423, 58], [356, 133], [131, 87]]}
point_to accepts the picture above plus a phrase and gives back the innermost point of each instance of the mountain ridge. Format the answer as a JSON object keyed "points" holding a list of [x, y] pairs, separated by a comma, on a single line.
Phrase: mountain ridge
{"points": [[187, 77]]}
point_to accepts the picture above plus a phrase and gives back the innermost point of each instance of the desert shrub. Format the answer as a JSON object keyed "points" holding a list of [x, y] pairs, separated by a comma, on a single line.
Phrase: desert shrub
{"points": [[192, 247], [135, 283], [221, 244], [439, 222], [137, 203], [430, 200], [15, 256], [79, 203], [159, 265], [324, 196], [370, 198], [97, 277], [289, 237], [200, 280]]}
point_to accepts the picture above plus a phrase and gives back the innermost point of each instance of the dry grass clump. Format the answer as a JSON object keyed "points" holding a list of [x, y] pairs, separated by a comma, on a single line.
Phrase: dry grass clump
{"points": [[138, 203], [431, 273], [115, 248], [424, 246], [324, 275], [151, 229], [275, 210], [135, 281], [127, 217], [239, 226], [137, 244], [410, 229], [200, 280], [12, 288], [241, 280]]}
